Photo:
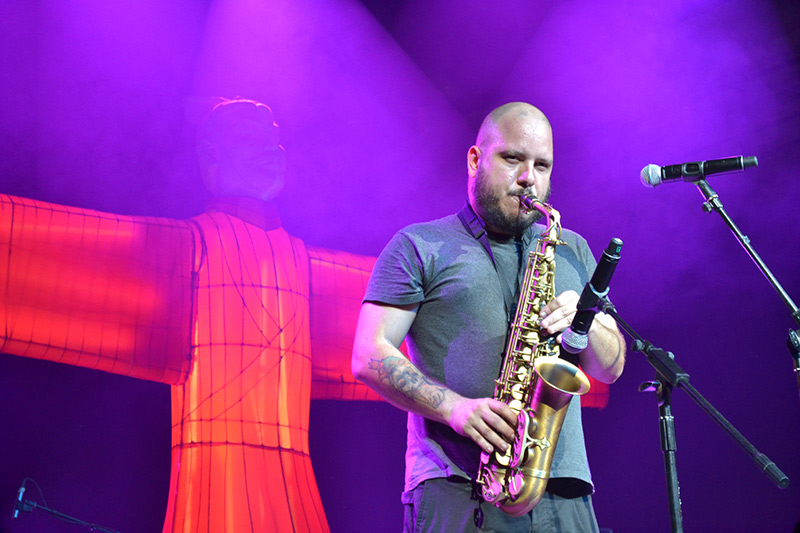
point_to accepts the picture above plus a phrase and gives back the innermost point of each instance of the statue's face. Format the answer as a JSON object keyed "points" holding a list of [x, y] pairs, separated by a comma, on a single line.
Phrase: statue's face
{"points": [[246, 157]]}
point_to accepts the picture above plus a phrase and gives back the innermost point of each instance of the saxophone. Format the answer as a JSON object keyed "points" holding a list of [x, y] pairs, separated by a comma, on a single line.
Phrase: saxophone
{"points": [[534, 382]]}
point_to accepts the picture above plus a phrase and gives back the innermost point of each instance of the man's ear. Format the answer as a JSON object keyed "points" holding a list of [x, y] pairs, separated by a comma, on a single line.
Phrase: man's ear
{"points": [[473, 155]]}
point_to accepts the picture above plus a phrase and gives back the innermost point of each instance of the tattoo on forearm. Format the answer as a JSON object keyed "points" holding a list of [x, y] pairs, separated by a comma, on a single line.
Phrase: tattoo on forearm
{"points": [[405, 378]]}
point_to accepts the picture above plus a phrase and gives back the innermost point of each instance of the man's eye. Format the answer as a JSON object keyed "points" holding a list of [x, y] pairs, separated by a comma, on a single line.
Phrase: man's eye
{"points": [[512, 158]]}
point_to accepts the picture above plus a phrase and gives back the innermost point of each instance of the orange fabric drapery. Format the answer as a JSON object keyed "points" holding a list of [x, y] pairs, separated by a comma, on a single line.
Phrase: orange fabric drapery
{"points": [[214, 306]]}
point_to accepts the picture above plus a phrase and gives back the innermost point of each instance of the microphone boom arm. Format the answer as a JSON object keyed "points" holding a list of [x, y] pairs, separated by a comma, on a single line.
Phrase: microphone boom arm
{"points": [[713, 203]]}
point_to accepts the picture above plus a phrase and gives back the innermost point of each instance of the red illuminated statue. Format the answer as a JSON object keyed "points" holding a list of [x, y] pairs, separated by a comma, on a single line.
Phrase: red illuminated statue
{"points": [[225, 307]]}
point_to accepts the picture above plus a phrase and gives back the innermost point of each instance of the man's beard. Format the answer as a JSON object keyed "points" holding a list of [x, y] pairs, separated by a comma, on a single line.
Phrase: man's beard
{"points": [[493, 214]]}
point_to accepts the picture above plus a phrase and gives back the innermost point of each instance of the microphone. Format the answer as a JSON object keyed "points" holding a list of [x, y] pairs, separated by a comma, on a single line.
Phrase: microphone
{"points": [[654, 175], [18, 505], [575, 339]]}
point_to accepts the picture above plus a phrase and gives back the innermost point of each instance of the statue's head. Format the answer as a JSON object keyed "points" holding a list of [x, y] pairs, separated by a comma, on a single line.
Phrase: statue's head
{"points": [[239, 151]]}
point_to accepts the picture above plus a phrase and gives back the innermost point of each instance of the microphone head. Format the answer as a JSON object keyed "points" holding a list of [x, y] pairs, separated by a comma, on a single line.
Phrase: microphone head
{"points": [[651, 176], [574, 343]]}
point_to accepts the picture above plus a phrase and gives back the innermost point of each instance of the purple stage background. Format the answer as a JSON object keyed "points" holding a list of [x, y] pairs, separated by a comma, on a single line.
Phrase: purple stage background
{"points": [[378, 103]]}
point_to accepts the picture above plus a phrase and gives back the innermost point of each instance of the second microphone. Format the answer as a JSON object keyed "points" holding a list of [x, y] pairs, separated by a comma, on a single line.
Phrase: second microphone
{"points": [[576, 339]]}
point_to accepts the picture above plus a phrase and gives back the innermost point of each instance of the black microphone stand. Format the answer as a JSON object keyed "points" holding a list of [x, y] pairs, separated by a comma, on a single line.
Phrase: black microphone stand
{"points": [[713, 203], [27, 506], [668, 377]]}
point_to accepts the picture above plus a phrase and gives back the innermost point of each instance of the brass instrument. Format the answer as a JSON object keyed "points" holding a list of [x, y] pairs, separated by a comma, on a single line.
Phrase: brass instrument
{"points": [[534, 382]]}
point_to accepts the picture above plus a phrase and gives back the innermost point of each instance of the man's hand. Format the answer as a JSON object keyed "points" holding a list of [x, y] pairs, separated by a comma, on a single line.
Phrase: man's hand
{"points": [[488, 422], [558, 314]]}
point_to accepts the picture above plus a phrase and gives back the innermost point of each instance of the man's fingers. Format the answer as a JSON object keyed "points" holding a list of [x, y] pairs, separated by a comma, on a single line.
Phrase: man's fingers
{"points": [[493, 425], [481, 441], [557, 315], [490, 423], [489, 440], [505, 412]]}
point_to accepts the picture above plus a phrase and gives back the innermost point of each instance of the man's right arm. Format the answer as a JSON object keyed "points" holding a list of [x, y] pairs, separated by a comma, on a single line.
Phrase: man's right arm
{"points": [[378, 363]]}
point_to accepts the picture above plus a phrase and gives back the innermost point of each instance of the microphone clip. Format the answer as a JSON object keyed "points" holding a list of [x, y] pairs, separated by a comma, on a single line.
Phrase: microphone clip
{"points": [[599, 297]]}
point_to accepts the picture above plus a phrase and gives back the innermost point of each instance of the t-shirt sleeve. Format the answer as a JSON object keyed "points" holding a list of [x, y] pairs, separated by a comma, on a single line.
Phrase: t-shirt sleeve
{"points": [[398, 274], [586, 256]]}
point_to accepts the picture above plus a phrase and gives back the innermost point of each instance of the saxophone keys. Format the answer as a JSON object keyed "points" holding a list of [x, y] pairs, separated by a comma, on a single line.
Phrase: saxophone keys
{"points": [[516, 481], [526, 425], [492, 489]]}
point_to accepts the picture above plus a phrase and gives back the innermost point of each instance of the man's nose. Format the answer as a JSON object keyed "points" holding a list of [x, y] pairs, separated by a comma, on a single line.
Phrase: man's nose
{"points": [[527, 176]]}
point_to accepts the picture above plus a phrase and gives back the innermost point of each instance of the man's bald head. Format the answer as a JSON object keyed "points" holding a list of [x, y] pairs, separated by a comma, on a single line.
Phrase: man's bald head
{"points": [[520, 110]]}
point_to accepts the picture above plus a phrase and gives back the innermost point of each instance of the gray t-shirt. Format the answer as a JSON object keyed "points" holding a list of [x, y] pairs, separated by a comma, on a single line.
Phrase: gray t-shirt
{"points": [[458, 337]]}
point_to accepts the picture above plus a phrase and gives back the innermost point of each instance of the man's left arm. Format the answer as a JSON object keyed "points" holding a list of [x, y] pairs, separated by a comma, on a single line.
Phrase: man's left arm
{"points": [[604, 358]]}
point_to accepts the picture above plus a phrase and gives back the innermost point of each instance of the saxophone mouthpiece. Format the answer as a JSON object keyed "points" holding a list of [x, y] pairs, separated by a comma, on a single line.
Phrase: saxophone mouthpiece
{"points": [[528, 202]]}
